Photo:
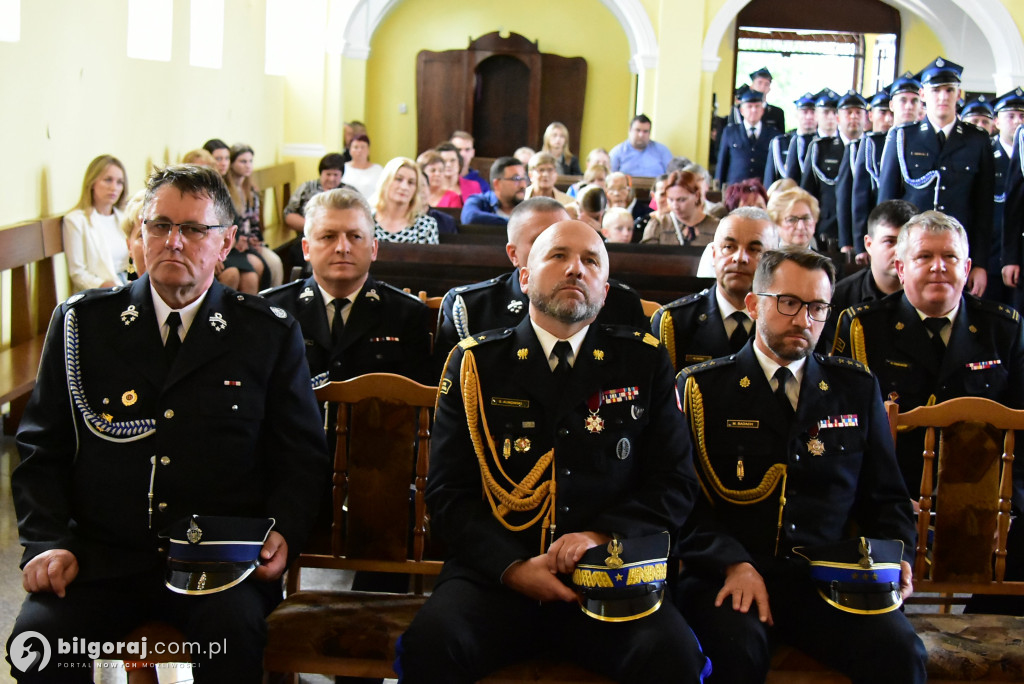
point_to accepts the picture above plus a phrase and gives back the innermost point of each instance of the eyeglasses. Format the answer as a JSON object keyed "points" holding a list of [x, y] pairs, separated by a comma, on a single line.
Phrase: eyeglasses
{"points": [[788, 305], [193, 232], [516, 179], [793, 220]]}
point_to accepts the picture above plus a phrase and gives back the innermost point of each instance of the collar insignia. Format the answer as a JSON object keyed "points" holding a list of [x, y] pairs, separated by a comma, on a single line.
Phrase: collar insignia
{"points": [[599, 355], [307, 294], [823, 386], [372, 294], [129, 315], [217, 321], [523, 354], [744, 382], [899, 325], [515, 306]]}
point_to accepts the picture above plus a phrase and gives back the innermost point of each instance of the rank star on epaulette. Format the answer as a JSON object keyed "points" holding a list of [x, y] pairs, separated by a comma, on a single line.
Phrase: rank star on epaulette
{"points": [[217, 322]]}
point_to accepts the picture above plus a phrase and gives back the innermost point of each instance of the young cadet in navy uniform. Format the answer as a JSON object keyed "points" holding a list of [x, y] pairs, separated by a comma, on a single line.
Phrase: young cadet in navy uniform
{"points": [[353, 324], [1013, 218], [715, 322], [978, 111], [904, 102], [500, 303], [952, 173], [879, 279], [563, 400], [778, 147], [825, 102], [852, 108], [743, 150], [126, 434], [1009, 113], [822, 163], [760, 81], [791, 449], [933, 342]]}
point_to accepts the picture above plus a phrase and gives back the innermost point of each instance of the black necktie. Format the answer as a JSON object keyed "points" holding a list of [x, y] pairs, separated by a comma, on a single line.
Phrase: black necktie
{"points": [[941, 136], [935, 326], [739, 334], [561, 351], [338, 323], [753, 136], [782, 376], [173, 343]]}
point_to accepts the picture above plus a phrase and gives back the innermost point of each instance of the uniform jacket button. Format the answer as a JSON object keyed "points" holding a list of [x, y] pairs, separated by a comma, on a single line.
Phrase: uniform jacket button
{"points": [[168, 414]]}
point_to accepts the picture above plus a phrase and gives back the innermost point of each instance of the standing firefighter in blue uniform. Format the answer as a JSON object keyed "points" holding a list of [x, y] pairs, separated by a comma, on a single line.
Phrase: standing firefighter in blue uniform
{"points": [[743, 151], [1009, 113], [943, 164], [778, 148], [170, 398], [554, 441], [792, 450]]}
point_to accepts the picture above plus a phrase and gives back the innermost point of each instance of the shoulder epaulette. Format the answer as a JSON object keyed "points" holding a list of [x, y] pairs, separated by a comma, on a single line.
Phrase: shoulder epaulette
{"points": [[260, 304], [626, 332], [281, 288], [484, 284], [687, 300], [396, 290], [485, 337], [619, 284], [995, 308], [842, 362], [720, 362], [90, 295]]}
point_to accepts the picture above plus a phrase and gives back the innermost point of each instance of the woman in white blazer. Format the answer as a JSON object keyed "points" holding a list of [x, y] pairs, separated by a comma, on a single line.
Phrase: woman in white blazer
{"points": [[94, 245]]}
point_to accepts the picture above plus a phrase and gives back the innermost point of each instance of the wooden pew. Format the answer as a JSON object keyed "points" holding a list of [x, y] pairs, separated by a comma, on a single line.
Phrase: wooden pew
{"points": [[27, 251], [277, 179]]}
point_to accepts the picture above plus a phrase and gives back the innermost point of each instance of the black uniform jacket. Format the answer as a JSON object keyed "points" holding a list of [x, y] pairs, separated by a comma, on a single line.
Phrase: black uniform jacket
{"points": [[865, 185], [738, 159], [231, 428], [957, 179], [633, 477], [501, 303], [836, 455], [854, 289], [1013, 205], [691, 329], [984, 358], [388, 331], [821, 173]]}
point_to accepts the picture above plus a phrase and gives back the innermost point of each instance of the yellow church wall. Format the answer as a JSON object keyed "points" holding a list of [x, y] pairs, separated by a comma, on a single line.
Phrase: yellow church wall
{"points": [[71, 93], [571, 28], [919, 46]]}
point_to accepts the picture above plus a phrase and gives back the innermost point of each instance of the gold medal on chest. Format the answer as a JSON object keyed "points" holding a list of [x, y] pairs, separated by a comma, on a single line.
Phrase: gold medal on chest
{"points": [[594, 423]]}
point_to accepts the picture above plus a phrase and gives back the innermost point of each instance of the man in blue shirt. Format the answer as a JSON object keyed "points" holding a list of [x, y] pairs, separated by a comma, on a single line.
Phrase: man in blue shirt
{"points": [[639, 155], [493, 208]]}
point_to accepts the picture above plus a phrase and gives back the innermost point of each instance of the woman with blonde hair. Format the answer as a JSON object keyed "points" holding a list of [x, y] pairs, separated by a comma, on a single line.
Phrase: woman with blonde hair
{"points": [[131, 226], [199, 157], [94, 245], [556, 143], [795, 212], [400, 205]]}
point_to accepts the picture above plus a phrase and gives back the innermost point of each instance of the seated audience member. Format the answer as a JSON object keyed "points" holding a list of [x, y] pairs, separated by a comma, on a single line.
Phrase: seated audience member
{"points": [[795, 212], [524, 154], [199, 157], [221, 154], [95, 564], [880, 278], [466, 148], [131, 226], [716, 209], [438, 194], [617, 225], [594, 175], [246, 198], [93, 242], [400, 205], [508, 178], [349, 131], [715, 322], [638, 155], [360, 173], [599, 155], [748, 193], [331, 169], [781, 185], [619, 189], [500, 303], [591, 206], [774, 497], [543, 174], [935, 341], [494, 567], [462, 185], [686, 222], [352, 323], [243, 269], [556, 143]]}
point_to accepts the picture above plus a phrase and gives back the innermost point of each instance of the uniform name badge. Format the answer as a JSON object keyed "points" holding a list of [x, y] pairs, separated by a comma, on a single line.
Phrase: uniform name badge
{"points": [[594, 422]]}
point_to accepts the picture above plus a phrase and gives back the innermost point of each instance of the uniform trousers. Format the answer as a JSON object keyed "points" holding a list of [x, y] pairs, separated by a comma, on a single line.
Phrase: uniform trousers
{"points": [[866, 648], [467, 630], [109, 609]]}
